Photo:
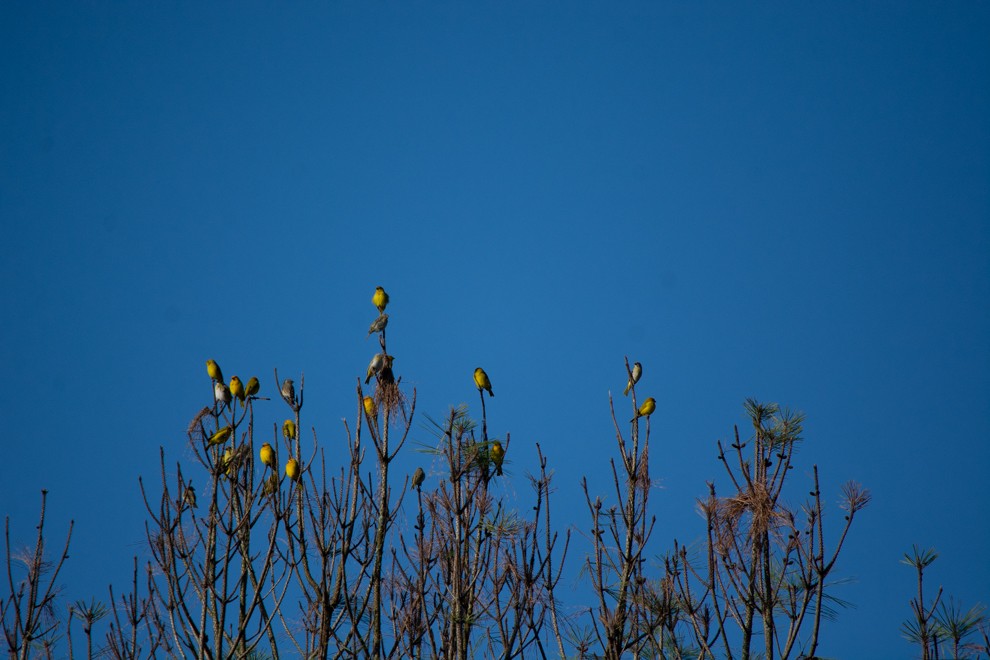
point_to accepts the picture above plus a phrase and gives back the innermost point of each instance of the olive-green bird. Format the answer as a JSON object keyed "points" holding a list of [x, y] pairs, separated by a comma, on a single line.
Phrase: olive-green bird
{"points": [[221, 393], [378, 324], [380, 299], [289, 392], [646, 409], [271, 484], [418, 478], [289, 429], [292, 469], [253, 386], [498, 455], [637, 372], [213, 369], [267, 455], [481, 380], [237, 388], [220, 437], [375, 366]]}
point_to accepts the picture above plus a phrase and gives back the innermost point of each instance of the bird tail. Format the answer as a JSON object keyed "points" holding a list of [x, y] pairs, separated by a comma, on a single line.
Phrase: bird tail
{"points": [[628, 387]]}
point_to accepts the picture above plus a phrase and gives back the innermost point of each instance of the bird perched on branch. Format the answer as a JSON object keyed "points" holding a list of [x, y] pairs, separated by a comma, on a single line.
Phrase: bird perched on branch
{"points": [[646, 409], [252, 386], [220, 436], [289, 392], [380, 299], [292, 469], [378, 324], [418, 478], [481, 380], [376, 365], [289, 429], [637, 372], [267, 455], [498, 455], [369, 407], [221, 393], [189, 496], [237, 388], [213, 369]]}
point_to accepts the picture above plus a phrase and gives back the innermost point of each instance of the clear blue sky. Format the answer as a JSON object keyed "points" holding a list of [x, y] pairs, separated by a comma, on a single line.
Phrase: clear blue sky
{"points": [[780, 201]]}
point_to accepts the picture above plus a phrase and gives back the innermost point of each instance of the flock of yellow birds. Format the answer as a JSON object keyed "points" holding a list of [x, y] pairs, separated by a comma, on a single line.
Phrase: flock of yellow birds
{"points": [[381, 367]]}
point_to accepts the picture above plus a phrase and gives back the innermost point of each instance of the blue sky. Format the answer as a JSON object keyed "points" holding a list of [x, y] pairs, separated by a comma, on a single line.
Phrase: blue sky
{"points": [[779, 201]]}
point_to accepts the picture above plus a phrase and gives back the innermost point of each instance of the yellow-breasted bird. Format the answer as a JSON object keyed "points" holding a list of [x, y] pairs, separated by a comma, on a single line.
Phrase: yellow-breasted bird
{"points": [[220, 436], [377, 364], [380, 299], [418, 477], [369, 407], [237, 388], [289, 391], [227, 463], [637, 372], [189, 496], [253, 386], [481, 380], [267, 455], [289, 429], [498, 455], [646, 409], [378, 324], [221, 393], [292, 469], [213, 369]]}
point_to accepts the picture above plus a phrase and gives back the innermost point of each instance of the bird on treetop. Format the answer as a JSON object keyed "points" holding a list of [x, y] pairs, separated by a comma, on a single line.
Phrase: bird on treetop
{"points": [[481, 380], [418, 478], [376, 365], [252, 386], [646, 409], [213, 369], [220, 436], [637, 372], [237, 388], [292, 469], [289, 392], [221, 393], [289, 429], [498, 455], [369, 407], [380, 299]]}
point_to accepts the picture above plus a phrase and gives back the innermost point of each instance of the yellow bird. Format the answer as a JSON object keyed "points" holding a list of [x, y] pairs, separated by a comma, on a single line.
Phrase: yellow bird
{"points": [[221, 393], [369, 407], [228, 462], [418, 477], [481, 380], [213, 369], [220, 436], [376, 365], [289, 429], [253, 386], [498, 455], [646, 409], [292, 469], [378, 324], [267, 455], [237, 388], [380, 299], [637, 372], [289, 392]]}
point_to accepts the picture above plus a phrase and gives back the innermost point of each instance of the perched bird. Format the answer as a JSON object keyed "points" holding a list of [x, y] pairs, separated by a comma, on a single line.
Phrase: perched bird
{"points": [[380, 299], [481, 380], [418, 477], [637, 372], [227, 462], [213, 369], [221, 393], [387, 376], [646, 409], [369, 407], [220, 436], [237, 388], [289, 392], [376, 365], [252, 386], [267, 455], [378, 324], [189, 496], [271, 485], [289, 429], [498, 455], [292, 469]]}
